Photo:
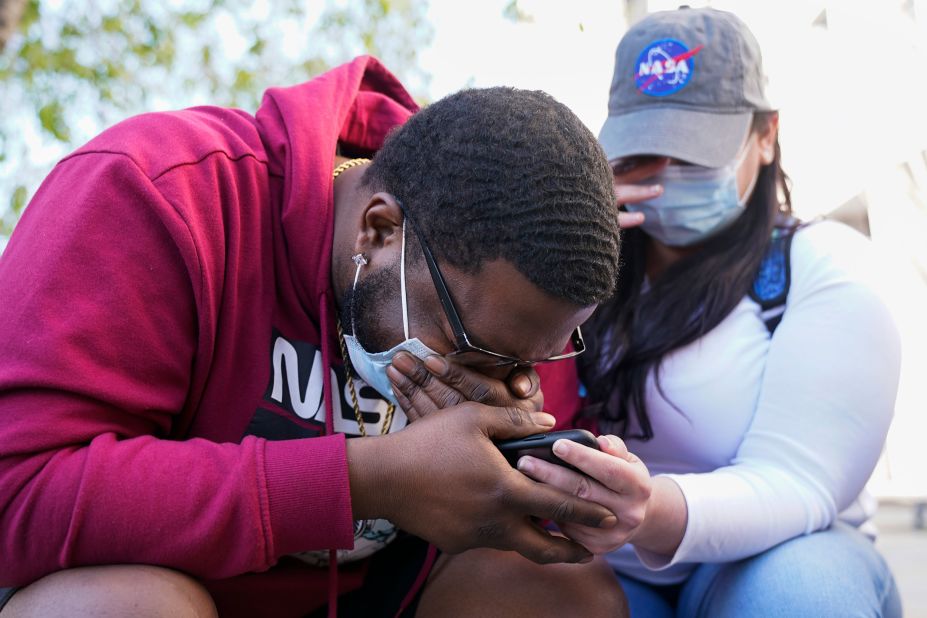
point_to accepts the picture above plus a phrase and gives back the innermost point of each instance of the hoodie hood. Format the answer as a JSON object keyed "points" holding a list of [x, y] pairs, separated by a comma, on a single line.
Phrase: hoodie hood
{"points": [[357, 104]]}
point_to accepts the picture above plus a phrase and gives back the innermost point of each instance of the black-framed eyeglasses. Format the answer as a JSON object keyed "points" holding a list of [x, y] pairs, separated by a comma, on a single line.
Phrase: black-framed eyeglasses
{"points": [[466, 352]]}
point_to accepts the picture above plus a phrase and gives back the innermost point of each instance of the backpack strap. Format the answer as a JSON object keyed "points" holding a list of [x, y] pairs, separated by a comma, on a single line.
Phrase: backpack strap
{"points": [[770, 288]]}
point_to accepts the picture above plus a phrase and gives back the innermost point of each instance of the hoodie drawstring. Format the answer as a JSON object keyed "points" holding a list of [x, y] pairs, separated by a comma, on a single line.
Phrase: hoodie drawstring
{"points": [[329, 431], [432, 554]]}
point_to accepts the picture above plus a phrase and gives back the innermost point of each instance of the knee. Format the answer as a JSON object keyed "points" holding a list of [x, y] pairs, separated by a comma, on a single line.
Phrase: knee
{"points": [[486, 582], [117, 590], [835, 572], [840, 554], [575, 590]]}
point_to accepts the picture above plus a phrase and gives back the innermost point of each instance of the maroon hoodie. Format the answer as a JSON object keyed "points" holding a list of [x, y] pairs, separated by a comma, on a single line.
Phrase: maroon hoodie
{"points": [[166, 320]]}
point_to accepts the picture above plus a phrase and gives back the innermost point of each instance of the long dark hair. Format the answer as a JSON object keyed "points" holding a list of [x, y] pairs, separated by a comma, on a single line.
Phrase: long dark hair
{"points": [[629, 335]]}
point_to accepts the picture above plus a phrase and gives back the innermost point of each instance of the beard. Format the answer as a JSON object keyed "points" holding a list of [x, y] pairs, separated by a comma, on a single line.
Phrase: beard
{"points": [[362, 308]]}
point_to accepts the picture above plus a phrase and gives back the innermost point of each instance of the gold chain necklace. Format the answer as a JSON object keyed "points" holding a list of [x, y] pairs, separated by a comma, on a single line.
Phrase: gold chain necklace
{"points": [[348, 165], [388, 420]]}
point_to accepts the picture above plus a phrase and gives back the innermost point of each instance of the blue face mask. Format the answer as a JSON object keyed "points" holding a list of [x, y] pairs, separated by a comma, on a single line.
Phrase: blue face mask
{"points": [[696, 203], [371, 366]]}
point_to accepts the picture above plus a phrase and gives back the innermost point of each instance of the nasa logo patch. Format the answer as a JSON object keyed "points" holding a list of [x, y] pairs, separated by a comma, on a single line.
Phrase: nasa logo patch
{"points": [[665, 67]]}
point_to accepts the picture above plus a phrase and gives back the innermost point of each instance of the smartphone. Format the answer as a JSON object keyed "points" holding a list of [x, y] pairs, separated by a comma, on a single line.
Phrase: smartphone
{"points": [[541, 445]]}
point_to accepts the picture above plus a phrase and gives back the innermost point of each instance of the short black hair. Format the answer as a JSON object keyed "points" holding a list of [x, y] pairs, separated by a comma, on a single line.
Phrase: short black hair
{"points": [[513, 174]]}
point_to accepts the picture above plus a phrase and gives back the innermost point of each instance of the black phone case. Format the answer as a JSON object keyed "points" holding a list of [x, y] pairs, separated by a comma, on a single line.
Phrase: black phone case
{"points": [[541, 445]]}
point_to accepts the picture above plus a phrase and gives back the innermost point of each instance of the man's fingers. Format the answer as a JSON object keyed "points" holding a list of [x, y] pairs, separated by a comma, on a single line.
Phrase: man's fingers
{"points": [[411, 398], [472, 385], [542, 547], [524, 382], [449, 383], [512, 422], [404, 402], [419, 381]]}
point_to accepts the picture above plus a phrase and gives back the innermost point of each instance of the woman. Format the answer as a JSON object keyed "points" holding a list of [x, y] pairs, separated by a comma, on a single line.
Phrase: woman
{"points": [[746, 441]]}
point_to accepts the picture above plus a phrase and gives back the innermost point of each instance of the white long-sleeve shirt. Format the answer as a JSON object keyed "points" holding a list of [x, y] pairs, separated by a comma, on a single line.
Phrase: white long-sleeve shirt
{"points": [[778, 436]]}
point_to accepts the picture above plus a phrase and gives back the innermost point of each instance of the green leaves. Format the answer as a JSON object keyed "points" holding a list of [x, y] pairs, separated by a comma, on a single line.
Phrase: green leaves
{"points": [[193, 19], [76, 67], [112, 23], [30, 15], [51, 115], [244, 80], [18, 201], [17, 204]]}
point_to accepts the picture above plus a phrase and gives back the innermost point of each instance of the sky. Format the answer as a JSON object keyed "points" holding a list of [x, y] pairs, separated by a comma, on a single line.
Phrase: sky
{"points": [[566, 49]]}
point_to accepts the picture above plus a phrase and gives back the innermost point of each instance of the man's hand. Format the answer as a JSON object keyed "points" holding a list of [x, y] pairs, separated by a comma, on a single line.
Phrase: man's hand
{"points": [[435, 383], [443, 479]]}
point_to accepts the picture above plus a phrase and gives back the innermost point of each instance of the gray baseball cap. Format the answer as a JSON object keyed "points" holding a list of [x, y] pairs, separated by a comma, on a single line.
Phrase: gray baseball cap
{"points": [[686, 84]]}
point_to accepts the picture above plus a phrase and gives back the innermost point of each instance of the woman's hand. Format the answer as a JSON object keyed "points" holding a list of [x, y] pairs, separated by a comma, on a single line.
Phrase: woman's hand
{"points": [[435, 383], [627, 220], [614, 478], [626, 177]]}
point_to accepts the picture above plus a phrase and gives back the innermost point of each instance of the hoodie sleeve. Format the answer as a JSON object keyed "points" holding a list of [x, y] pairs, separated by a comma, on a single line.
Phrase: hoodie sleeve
{"points": [[98, 334]]}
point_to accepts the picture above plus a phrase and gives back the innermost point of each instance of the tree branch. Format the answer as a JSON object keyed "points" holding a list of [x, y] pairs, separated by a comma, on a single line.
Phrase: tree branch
{"points": [[10, 13]]}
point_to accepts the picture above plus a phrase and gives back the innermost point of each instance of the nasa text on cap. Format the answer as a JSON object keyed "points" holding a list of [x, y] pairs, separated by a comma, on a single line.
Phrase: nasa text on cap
{"points": [[664, 67], [686, 85]]}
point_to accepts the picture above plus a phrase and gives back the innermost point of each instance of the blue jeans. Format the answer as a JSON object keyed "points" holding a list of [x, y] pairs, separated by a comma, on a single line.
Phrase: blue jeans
{"points": [[835, 572]]}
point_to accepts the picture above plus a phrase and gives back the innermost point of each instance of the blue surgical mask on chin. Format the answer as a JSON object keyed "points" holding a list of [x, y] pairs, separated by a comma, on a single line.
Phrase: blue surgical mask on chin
{"points": [[371, 366], [696, 203]]}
